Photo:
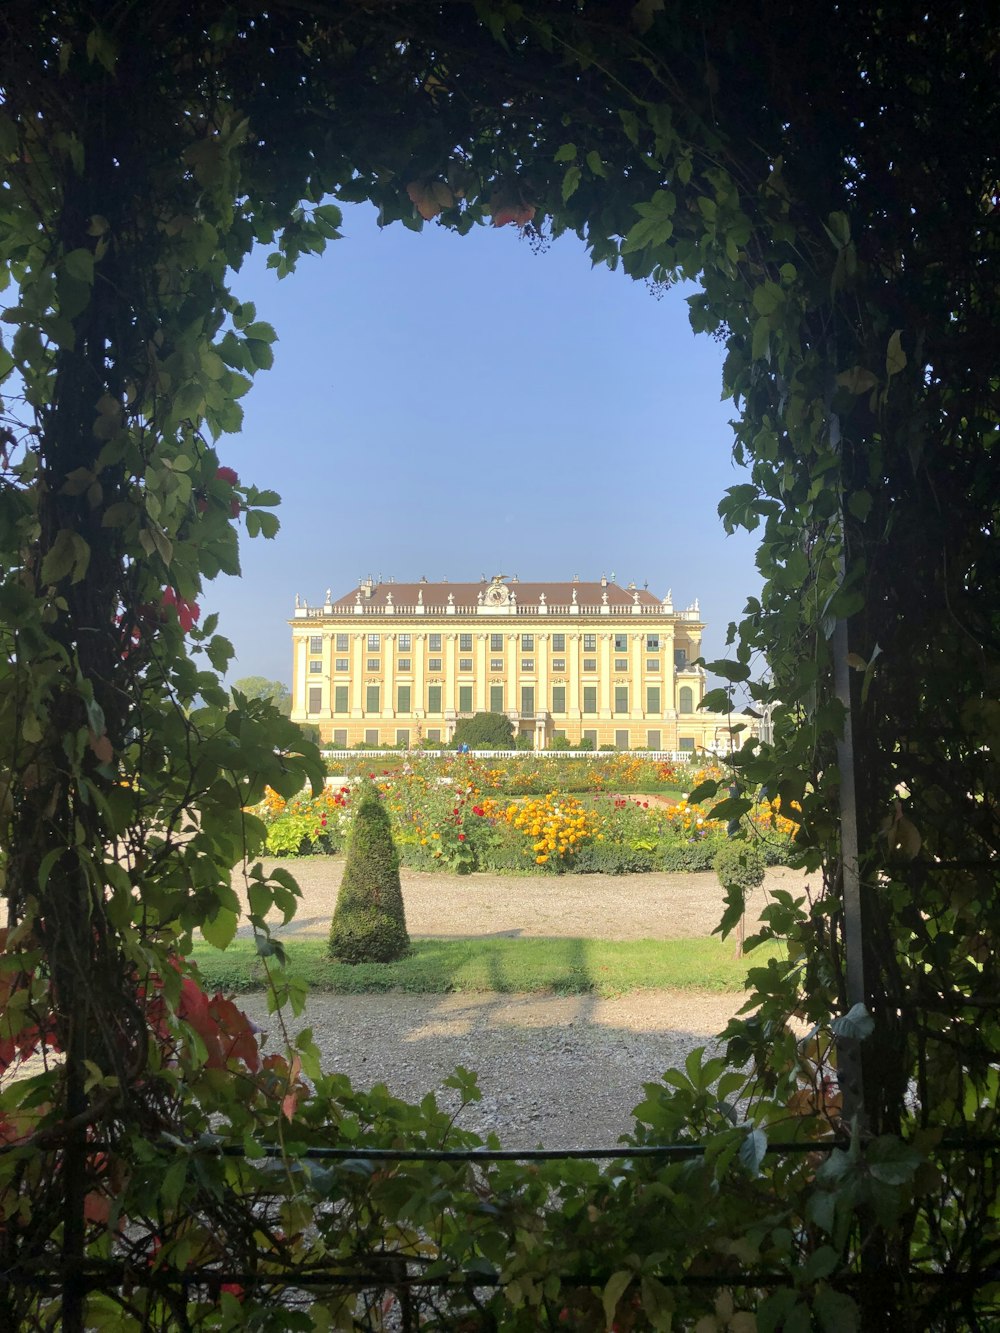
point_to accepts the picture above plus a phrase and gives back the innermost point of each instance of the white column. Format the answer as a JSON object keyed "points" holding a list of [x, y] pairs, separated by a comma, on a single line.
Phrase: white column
{"points": [[481, 679], [357, 674], [605, 672]]}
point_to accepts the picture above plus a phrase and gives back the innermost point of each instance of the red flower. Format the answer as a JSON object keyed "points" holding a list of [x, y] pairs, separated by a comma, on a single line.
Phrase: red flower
{"points": [[477, 810], [455, 811], [323, 822], [187, 612], [461, 837], [227, 475]]}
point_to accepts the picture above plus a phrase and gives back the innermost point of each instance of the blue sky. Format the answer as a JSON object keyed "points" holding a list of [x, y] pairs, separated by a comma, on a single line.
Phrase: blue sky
{"points": [[455, 406]]}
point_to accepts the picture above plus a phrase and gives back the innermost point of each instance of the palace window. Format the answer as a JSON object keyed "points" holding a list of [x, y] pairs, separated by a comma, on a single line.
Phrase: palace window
{"points": [[403, 664], [590, 643], [342, 643], [372, 699], [527, 700], [621, 643], [340, 704], [315, 699], [342, 664], [621, 663], [465, 664], [315, 668], [559, 643], [685, 699], [374, 664], [433, 698], [590, 698], [652, 664], [374, 643], [465, 698], [434, 643], [621, 740], [652, 740], [652, 643], [340, 738], [621, 698], [591, 736], [434, 734], [402, 736], [402, 699], [527, 664], [558, 664], [371, 736], [316, 643], [465, 643], [403, 643], [680, 659], [527, 643], [496, 643], [590, 664], [558, 698], [686, 743], [652, 699], [433, 664], [496, 663], [496, 698]]}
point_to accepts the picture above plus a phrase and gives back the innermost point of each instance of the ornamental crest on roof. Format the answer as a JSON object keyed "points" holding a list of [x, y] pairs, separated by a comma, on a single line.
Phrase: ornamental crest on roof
{"points": [[497, 594]]}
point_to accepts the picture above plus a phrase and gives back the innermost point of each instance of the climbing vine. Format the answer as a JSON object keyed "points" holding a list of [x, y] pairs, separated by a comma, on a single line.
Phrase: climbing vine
{"points": [[832, 188]]}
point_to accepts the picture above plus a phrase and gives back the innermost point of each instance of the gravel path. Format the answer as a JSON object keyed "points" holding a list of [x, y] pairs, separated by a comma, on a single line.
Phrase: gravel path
{"points": [[563, 1071]]}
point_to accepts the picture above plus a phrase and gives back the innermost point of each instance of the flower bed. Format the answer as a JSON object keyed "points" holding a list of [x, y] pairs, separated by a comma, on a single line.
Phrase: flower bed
{"points": [[464, 816]]}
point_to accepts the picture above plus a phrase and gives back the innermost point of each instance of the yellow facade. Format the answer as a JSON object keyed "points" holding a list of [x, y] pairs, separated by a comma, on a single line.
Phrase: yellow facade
{"points": [[400, 663]]}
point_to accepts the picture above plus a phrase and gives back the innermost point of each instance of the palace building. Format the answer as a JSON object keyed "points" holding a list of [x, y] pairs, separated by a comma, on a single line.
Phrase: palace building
{"points": [[399, 663]]}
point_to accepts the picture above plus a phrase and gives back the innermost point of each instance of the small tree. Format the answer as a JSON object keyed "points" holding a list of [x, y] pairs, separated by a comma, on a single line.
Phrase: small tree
{"points": [[740, 868], [259, 687], [485, 731], [369, 922]]}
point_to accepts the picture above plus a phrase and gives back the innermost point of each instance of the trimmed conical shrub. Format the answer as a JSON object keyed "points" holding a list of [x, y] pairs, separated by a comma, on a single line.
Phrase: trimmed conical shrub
{"points": [[369, 923]]}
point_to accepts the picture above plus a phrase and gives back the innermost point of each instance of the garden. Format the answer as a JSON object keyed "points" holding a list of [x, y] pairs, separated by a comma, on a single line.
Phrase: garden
{"points": [[616, 815]]}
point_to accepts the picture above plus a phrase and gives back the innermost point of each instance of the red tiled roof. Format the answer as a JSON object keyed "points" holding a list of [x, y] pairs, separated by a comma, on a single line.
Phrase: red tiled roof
{"points": [[467, 594]]}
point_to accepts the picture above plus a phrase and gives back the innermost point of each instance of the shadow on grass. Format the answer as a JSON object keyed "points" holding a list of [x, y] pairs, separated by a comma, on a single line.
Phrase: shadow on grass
{"points": [[499, 964]]}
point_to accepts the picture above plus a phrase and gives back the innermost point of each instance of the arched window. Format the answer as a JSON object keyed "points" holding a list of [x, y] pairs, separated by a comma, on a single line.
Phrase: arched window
{"points": [[686, 699]]}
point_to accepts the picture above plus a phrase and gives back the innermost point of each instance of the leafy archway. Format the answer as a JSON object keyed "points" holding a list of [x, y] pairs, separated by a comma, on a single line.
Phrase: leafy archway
{"points": [[833, 189]]}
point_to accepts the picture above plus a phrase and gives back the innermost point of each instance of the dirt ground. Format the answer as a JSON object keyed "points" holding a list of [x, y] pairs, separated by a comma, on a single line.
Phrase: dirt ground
{"points": [[657, 905], [562, 1071]]}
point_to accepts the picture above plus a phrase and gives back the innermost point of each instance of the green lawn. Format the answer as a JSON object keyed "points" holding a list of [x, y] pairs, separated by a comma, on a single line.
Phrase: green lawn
{"points": [[437, 966]]}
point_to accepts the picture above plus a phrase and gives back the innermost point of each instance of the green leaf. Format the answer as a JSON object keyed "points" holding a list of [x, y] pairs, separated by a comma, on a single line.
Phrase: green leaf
{"points": [[704, 791], [892, 1161], [566, 153], [716, 701], [760, 346], [835, 1311], [69, 554], [753, 1150], [79, 264], [734, 671], [595, 164], [856, 1024], [570, 181], [895, 357], [220, 929], [617, 1285], [260, 331], [859, 503], [768, 298]]}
